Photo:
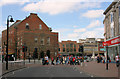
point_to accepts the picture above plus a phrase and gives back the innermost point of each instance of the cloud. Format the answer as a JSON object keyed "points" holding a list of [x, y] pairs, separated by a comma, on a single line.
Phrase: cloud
{"points": [[94, 24], [92, 34], [62, 33], [95, 33], [53, 7], [6, 2], [75, 26], [94, 14], [80, 30], [73, 35], [99, 29], [2, 28], [61, 30]]}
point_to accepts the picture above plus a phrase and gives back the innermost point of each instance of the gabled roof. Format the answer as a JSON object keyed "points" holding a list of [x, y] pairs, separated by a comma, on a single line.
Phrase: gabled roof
{"points": [[20, 21]]}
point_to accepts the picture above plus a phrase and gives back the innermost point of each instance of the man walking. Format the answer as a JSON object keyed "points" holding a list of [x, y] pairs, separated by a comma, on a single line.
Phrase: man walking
{"points": [[117, 60]]}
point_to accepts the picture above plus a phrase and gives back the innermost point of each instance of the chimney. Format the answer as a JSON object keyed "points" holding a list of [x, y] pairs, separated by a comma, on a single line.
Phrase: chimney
{"points": [[33, 13], [18, 21]]}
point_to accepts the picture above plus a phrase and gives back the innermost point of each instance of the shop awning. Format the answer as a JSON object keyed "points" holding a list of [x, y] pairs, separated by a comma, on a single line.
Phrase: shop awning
{"points": [[10, 53]]}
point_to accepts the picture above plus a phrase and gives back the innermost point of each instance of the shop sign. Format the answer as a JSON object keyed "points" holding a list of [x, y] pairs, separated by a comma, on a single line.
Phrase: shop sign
{"points": [[112, 42], [102, 49]]}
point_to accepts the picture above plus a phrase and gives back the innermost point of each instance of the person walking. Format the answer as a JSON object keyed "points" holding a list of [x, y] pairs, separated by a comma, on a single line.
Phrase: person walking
{"points": [[52, 61], [43, 61], [57, 60], [46, 60], [73, 60], [65, 60], [98, 58], [117, 60], [61, 60]]}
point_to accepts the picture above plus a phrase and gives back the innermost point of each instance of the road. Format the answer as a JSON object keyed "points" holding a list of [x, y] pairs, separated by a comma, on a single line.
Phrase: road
{"points": [[48, 71]]}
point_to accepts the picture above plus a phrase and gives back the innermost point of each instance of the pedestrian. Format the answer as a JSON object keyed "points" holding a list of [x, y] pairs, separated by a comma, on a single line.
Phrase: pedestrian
{"points": [[61, 60], [109, 60], [103, 59], [46, 60], [43, 61], [98, 59], [117, 60], [65, 60], [73, 60], [52, 61], [57, 60]]}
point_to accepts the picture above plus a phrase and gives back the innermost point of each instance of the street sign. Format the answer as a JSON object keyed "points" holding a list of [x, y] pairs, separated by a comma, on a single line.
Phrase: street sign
{"points": [[112, 41]]}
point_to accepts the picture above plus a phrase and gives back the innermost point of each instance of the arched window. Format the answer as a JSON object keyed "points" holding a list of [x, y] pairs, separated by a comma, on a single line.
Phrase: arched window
{"points": [[40, 26], [27, 26], [48, 40], [63, 49], [36, 39], [42, 41]]}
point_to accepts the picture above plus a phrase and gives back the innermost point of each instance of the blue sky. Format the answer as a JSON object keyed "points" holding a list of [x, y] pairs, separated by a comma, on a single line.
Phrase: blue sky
{"points": [[72, 19]]}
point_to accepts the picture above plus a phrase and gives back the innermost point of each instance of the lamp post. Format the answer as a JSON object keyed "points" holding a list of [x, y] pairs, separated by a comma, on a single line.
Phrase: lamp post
{"points": [[11, 20], [107, 57]]}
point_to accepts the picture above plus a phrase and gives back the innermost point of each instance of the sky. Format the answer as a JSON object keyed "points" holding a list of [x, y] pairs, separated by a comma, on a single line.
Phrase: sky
{"points": [[73, 19]]}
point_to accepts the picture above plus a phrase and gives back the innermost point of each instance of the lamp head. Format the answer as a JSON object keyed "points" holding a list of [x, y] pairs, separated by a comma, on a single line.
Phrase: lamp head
{"points": [[11, 20]]}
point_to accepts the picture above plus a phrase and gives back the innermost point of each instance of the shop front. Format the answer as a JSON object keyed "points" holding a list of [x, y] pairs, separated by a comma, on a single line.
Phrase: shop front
{"points": [[113, 47]]}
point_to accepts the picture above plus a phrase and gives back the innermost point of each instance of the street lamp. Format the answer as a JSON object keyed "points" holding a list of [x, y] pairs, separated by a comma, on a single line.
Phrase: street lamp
{"points": [[11, 20], [107, 57]]}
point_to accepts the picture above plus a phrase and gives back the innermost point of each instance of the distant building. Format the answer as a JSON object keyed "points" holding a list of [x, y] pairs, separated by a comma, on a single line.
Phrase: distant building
{"points": [[90, 46], [33, 33], [82, 40], [0, 41], [69, 48], [112, 28], [93, 45]]}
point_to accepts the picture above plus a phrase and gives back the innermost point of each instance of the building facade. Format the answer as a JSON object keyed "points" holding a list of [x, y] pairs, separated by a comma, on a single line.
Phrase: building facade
{"points": [[69, 48], [33, 33], [92, 46], [112, 29]]}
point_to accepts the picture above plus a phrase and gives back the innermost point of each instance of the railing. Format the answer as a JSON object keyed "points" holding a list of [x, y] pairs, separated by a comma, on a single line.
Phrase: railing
{"points": [[12, 65]]}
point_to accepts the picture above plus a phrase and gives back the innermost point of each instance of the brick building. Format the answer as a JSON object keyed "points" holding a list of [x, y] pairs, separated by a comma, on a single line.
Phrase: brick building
{"points": [[90, 46], [33, 33], [112, 28], [69, 48]]}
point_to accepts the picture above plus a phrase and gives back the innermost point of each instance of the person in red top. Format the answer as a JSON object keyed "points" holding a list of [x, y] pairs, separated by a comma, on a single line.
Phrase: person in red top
{"points": [[52, 59], [73, 60]]}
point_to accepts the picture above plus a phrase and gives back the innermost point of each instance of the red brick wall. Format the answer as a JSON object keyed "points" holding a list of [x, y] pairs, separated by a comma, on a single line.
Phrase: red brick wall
{"points": [[28, 35]]}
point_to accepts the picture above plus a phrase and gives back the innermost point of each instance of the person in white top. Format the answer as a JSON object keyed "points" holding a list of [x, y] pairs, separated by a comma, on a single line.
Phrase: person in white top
{"points": [[117, 60], [46, 59]]}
